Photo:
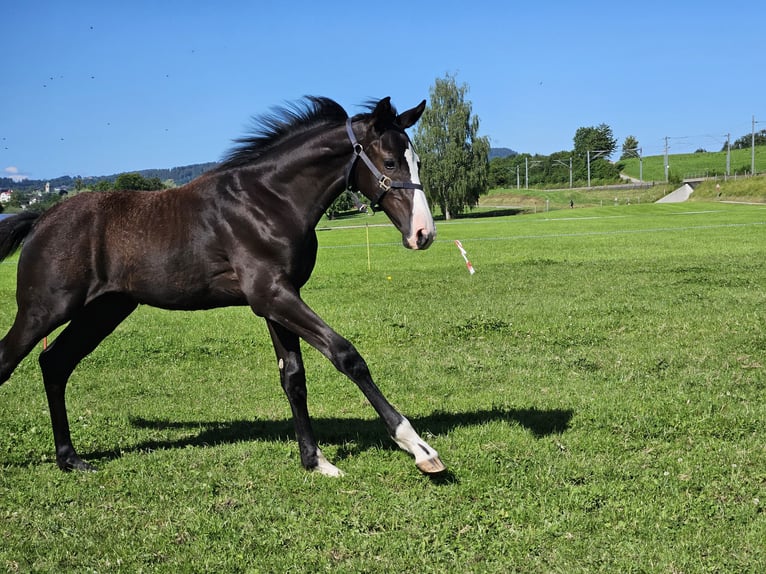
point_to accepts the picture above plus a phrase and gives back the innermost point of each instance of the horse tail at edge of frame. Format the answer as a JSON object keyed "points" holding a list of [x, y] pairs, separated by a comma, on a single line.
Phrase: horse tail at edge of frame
{"points": [[13, 231]]}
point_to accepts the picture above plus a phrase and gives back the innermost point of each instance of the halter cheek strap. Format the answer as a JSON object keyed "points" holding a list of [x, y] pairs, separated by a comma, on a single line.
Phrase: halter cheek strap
{"points": [[384, 182]]}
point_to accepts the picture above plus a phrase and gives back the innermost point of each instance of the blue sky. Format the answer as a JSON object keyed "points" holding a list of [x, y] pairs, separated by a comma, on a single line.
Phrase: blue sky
{"points": [[95, 88]]}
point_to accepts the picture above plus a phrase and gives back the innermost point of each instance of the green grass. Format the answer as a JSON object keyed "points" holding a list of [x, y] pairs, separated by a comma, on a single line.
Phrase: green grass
{"points": [[746, 190], [537, 201], [691, 165], [739, 189], [596, 390]]}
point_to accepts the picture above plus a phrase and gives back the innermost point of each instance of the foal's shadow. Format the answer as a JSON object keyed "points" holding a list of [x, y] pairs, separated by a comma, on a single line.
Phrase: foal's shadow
{"points": [[352, 435]]}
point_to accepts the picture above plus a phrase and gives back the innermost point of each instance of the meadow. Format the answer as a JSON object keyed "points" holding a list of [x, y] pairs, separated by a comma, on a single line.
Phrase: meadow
{"points": [[694, 165], [595, 390], [503, 200], [535, 201]]}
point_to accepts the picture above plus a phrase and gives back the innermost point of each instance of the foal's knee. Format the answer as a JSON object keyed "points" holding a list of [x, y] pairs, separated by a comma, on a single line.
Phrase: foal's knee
{"points": [[293, 376]]}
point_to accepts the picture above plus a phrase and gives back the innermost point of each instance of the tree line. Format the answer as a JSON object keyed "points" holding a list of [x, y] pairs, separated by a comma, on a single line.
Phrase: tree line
{"points": [[587, 162], [132, 182], [746, 141]]}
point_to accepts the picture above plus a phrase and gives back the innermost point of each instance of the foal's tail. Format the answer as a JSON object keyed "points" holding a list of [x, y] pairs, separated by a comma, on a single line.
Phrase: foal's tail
{"points": [[13, 230]]}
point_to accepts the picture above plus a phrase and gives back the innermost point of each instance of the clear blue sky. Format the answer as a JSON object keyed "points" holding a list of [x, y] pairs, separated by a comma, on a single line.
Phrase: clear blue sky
{"points": [[95, 88]]}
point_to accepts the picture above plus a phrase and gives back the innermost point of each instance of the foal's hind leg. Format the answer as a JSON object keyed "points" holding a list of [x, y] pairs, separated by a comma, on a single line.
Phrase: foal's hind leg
{"points": [[293, 378], [27, 329], [83, 334]]}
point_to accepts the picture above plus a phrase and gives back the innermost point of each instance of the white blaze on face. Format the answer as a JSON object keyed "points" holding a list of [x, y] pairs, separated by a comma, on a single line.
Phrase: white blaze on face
{"points": [[421, 220]]}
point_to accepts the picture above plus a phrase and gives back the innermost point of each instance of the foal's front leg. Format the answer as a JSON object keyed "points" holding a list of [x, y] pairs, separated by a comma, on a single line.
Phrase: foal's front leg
{"points": [[293, 378], [287, 308]]}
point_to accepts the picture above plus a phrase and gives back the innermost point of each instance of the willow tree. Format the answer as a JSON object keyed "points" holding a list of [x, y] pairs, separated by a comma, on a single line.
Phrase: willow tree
{"points": [[454, 158]]}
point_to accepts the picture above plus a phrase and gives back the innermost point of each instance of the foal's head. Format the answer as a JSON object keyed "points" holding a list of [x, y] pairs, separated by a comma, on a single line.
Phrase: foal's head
{"points": [[388, 175]]}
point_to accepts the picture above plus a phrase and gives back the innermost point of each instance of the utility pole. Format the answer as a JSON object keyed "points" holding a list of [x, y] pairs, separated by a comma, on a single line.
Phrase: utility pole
{"points": [[597, 153], [526, 171], [666, 159], [752, 149], [565, 165], [728, 155]]}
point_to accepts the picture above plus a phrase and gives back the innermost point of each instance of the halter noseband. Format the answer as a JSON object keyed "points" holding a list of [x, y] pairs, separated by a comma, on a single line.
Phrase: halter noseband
{"points": [[384, 182]]}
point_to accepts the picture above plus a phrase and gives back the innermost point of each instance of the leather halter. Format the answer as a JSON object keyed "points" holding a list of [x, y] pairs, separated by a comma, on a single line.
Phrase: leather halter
{"points": [[384, 182]]}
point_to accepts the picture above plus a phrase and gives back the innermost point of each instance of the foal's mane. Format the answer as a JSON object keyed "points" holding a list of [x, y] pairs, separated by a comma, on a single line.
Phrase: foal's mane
{"points": [[281, 123]]}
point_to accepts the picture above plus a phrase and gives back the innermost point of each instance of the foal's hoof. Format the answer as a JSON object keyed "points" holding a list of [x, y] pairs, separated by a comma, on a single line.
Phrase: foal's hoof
{"points": [[75, 464], [325, 467], [431, 466]]}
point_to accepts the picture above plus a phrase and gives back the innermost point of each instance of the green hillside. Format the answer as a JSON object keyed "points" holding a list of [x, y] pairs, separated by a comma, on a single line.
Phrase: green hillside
{"points": [[506, 201], [744, 189], [703, 164]]}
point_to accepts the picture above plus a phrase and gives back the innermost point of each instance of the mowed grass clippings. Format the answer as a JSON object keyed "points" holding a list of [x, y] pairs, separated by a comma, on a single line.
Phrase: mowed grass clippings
{"points": [[595, 389]]}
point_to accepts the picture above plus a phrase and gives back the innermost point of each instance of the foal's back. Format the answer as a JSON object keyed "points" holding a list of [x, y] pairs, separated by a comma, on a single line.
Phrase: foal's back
{"points": [[160, 248]]}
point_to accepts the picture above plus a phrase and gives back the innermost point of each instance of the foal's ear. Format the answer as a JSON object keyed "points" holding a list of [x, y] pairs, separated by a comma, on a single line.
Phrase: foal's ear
{"points": [[383, 115], [408, 118]]}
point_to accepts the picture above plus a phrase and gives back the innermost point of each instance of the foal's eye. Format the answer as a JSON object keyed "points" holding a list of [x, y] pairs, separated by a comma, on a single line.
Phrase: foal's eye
{"points": [[389, 164]]}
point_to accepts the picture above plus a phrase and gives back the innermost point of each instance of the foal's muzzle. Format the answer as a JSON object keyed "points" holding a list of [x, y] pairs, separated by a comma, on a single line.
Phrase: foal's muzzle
{"points": [[421, 239], [422, 228]]}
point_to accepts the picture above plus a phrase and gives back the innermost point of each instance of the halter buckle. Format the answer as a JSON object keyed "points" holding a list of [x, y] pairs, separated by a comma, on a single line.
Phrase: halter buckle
{"points": [[384, 182]]}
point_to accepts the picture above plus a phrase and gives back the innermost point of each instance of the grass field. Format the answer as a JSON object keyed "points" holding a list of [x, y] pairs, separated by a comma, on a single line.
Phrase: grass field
{"points": [[741, 189], [690, 165], [533, 201], [596, 390]]}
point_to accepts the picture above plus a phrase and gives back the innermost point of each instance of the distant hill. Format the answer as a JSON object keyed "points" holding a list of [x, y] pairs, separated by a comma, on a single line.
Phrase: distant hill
{"points": [[495, 152], [179, 175]]}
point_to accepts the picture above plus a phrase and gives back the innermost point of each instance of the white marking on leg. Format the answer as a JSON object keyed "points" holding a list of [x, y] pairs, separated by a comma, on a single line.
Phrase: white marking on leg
{"points": [[281, 364], [408, 440], [325, 467]]}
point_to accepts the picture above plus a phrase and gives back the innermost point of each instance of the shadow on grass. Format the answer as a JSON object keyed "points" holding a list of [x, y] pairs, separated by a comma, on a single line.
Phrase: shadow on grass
{"points": [[494, 212], [352, 435]]}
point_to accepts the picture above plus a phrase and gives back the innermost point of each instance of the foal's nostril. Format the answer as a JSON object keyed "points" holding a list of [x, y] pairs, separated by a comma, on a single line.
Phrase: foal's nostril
{"points": [[424, 238]]}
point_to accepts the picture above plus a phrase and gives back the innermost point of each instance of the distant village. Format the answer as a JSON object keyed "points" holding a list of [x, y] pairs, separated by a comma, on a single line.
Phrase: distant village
{"points": [[41, 194], [25, 199]]}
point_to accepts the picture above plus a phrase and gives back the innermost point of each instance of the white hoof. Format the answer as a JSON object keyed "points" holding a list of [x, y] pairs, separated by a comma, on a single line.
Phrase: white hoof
{"points": [[426, 457], [325, 467]]}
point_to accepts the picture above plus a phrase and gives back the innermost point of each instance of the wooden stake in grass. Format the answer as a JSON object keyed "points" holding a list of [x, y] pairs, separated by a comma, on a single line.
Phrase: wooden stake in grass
{"points": [[471, 270]]}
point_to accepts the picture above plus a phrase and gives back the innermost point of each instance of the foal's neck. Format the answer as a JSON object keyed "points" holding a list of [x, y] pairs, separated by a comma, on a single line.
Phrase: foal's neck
{"points": [[319, 176]]}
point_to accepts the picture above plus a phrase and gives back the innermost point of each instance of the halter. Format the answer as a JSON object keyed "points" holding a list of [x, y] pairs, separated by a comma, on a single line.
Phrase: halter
{"points": [[384, 182]]}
